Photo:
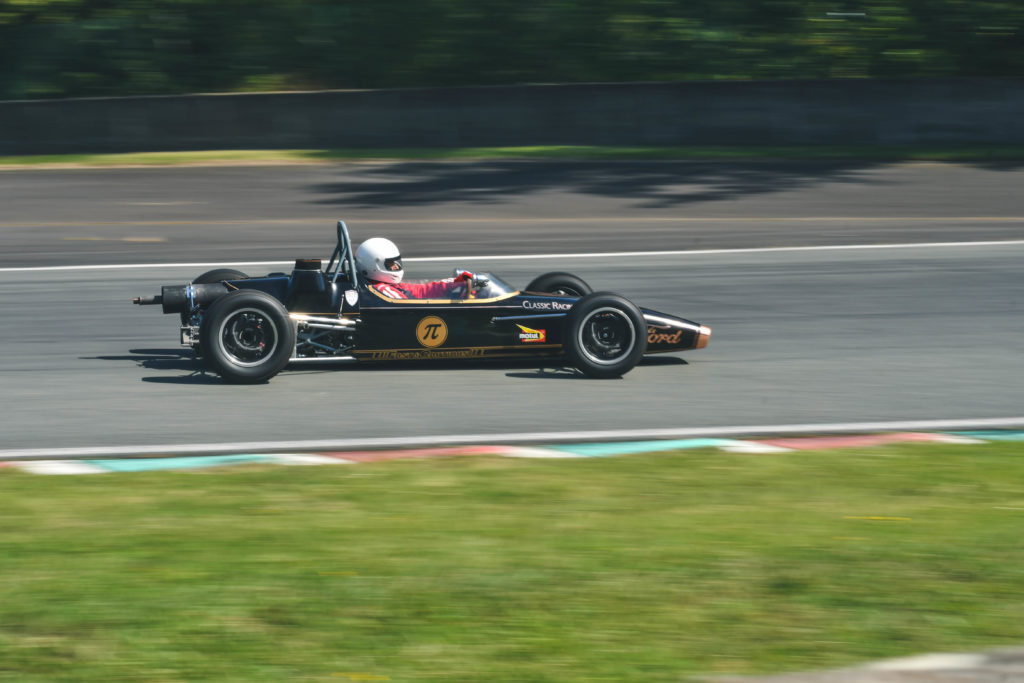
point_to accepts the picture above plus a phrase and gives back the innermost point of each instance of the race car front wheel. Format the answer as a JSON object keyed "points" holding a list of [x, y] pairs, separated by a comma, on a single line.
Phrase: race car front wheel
{"points": [[605, 335], [562, 284], [247, 336]]}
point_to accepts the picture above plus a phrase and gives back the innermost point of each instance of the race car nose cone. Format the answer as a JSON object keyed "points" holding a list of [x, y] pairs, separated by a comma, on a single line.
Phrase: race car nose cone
{"points": [[703, 335]]}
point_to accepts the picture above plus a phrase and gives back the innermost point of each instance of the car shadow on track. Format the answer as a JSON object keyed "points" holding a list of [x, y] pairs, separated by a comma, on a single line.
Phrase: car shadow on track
{"points": [[519, 369], [172, 360], [552, 369], [166, 360], [572, 373]]}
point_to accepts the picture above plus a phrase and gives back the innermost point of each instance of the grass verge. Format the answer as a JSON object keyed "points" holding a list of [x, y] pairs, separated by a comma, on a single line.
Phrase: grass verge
{"points": [[642, 568], [568, 152]]}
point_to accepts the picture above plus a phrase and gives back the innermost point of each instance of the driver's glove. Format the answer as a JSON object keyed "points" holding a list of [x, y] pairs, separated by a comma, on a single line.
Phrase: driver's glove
{"points": [[477, 280]]}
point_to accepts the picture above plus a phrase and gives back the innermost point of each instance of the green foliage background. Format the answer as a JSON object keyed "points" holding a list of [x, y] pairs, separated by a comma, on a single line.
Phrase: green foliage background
{"points": [[59, 48]]}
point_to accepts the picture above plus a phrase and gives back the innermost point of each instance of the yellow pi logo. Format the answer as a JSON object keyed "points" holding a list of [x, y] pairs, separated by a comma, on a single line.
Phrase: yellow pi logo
{"points": [[431, 331]]}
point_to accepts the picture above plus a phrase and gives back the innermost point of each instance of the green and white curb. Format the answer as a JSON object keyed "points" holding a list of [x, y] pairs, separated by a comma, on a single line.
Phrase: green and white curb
{"points": [[598, 449]]}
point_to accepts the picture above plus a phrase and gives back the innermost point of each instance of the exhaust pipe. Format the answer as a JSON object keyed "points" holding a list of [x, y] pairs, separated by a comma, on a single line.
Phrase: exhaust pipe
{"points": [[181, 298]]}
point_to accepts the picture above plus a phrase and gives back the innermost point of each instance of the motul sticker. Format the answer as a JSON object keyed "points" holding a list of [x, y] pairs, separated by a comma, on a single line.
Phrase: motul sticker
{"points": [[527, 336]]}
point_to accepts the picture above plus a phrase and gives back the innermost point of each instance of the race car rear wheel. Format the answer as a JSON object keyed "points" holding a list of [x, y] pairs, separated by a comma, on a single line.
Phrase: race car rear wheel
{"points": [[605, 335], [562, 284], [219, 275], [247, 337], [208, 278]]}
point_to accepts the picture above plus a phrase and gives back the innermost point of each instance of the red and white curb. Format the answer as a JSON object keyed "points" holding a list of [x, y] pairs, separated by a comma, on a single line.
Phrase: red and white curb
{"points": [[570, 450]]}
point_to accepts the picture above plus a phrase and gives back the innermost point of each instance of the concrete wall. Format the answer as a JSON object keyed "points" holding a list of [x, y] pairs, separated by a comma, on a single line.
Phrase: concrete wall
{"points": [[704, 113]]}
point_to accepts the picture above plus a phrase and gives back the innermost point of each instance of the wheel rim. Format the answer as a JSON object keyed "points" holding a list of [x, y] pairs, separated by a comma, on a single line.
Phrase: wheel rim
{"points": [[565, 290], [248, 337], [606, 336]]}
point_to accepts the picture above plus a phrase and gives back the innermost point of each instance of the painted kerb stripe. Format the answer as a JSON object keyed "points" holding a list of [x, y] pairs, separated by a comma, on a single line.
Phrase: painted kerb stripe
{"points": [[515, 438]]}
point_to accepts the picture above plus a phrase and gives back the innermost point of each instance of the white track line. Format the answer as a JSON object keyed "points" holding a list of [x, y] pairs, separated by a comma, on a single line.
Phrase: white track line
{"points": [[534, 257], [147, 266], [502, 439]]}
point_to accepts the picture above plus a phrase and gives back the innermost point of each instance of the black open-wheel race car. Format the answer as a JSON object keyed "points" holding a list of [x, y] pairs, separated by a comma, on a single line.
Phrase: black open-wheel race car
{"points": [[247, 329]]}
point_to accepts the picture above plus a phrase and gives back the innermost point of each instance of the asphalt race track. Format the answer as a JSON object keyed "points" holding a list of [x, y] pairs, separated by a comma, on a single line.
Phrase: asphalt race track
{"points": [[185, 215], [800, 336]]}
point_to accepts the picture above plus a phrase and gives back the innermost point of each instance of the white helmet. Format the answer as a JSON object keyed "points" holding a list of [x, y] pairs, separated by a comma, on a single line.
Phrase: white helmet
{"points": [[379, 260]]}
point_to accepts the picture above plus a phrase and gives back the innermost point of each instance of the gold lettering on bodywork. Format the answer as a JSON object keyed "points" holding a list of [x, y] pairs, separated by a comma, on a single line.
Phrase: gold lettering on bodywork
{"points": [[392, 354], [655, 336]]}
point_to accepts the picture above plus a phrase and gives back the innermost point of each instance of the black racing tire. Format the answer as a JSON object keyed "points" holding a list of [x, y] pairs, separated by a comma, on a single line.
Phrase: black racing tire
{"points": [[219, 275], [561, 284], [209, 278], [247, 337], [605, 335]]}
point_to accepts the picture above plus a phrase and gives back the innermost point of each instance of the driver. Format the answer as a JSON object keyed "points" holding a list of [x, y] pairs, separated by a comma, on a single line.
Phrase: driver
{"points": [[379, 260]]}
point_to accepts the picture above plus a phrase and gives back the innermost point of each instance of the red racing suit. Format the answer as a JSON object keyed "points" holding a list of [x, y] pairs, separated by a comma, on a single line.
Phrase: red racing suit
{"points": [[439, 289]]}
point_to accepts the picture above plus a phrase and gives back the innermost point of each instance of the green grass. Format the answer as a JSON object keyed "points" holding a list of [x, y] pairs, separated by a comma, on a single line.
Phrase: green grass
{"points": [[642, 568], [694, 153]]}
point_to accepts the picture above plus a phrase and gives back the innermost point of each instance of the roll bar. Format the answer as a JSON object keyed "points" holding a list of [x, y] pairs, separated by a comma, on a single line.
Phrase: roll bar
{"points": [[343, 260]]}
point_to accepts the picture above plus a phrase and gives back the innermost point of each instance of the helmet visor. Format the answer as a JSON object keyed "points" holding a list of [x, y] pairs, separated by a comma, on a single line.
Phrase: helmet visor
{"points": [[393, 265]]}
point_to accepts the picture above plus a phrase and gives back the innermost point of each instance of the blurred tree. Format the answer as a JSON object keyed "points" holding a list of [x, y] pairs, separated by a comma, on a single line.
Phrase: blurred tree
{"points": [[58, 48]]}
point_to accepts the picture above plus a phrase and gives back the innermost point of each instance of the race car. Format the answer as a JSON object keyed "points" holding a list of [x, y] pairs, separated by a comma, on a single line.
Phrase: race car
{"points": [[247, 329]]}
